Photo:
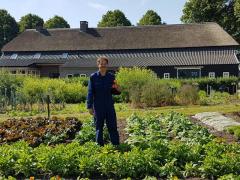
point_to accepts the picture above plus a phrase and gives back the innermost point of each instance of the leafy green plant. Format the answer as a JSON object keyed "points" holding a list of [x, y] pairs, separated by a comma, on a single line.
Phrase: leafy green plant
{"points": [[235, 130]]}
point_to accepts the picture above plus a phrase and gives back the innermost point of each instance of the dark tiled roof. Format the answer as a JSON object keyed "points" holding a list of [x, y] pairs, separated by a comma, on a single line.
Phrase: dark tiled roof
{"points": [[160, 58], [117, 38], [27, 62], [127, 58]]}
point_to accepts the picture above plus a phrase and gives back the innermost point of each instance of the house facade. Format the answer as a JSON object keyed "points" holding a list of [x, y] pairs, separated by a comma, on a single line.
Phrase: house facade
{"points": [[172, 51]]}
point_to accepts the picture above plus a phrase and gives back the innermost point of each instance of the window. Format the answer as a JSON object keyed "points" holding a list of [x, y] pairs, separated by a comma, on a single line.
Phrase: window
{"points": [[83, 75], [14, 72], [69, 75], [14, 56], [191, 72], [211, 74], [225, 74], [64, 55], [37, 56], [166, 75], [76, 75]]}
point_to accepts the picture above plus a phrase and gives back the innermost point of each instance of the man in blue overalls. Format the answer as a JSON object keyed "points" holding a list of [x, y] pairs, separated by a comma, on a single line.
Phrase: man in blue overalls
{"points": [[100, 102]]}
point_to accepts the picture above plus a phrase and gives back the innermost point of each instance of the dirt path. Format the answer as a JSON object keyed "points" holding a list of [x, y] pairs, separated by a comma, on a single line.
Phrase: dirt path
{"points": [[122, 133]]}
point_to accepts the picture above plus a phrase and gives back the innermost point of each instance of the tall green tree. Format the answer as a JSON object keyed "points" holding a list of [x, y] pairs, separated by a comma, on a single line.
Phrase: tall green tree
{"points": [[222, 12], [237, 9], [114, 18], [8, 27], [56, 22], [150, 18], [30, 21], [202, 11]]}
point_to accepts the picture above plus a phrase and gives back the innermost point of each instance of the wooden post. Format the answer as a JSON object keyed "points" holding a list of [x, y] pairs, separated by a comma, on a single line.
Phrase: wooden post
{"points": [[48, 107]]}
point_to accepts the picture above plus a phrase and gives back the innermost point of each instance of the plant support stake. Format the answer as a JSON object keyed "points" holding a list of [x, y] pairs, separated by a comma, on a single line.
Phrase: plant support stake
{"points": [[48, 107]]}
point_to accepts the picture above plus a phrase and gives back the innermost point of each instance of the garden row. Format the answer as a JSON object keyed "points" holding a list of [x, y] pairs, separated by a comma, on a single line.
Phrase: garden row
{"points": [[158, 146], [39, 130], [23, 92], [141, 87]]}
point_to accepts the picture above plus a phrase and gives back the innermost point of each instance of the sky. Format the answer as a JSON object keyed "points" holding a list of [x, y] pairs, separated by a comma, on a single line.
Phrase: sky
{"points": [[74, 11]]}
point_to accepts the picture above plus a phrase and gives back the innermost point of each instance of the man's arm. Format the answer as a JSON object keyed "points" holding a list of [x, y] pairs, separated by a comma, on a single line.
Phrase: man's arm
{"points": [[90, 95]]}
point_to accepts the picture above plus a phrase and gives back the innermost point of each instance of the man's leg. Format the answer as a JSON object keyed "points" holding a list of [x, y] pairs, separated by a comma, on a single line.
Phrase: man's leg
{"points": [[111, 121], [99, 123]]}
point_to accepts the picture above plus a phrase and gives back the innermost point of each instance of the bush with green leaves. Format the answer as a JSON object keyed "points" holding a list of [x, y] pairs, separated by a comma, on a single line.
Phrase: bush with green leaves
{"points": [[157, 93], [235, 130], [35, 90], [187, 95], [215, 98], [215, 83], [132, 80]]}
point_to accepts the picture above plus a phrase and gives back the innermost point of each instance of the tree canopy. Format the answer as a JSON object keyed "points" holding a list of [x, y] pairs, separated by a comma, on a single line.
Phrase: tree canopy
{"points": [[8, 27], [114, 18], [30, 21], [56, 22], [150, 18], [224, 12]]}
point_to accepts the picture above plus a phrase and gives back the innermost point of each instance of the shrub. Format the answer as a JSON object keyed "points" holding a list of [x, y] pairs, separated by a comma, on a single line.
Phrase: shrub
{"points": [[74, 93], [235, 130], [214, 98], [132, 80], [156, 93], [187, 95], [215, 83]]}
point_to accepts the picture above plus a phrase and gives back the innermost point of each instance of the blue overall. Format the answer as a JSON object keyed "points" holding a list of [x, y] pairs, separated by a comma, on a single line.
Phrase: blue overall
{"points": [[100, 99]]}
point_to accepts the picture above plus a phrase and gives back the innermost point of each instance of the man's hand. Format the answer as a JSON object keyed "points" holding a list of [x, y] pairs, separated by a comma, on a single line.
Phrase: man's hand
{"points": [[116, 86], [90, 111]]}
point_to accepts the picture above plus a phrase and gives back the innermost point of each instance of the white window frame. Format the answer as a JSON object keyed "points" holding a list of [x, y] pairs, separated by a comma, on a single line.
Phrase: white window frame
{"points": [[226, 74], [166, 75], [69, 75], [14, 56], [211, 74], [37, 56], [64, 55], [83, 75]]}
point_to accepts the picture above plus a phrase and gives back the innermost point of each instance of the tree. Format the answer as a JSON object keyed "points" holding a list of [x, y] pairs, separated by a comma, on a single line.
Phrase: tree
{"points": [[230, 20], [222, 12], [237, 9], [30, 21], [8, 27], [56, 22], [203, 11], [150, 18], [114, 18]]}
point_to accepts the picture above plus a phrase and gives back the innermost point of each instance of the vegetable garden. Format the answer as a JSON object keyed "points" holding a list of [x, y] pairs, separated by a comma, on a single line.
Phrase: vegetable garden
{"points": [[163, 146]]}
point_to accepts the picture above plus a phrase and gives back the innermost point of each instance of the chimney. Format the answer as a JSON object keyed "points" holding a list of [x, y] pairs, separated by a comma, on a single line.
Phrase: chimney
{"points": [[83, 26], [39, 27]]}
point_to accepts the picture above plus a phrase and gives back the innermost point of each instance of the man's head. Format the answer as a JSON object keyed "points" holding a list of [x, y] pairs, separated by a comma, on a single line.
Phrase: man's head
{"points": [[102, 63]]}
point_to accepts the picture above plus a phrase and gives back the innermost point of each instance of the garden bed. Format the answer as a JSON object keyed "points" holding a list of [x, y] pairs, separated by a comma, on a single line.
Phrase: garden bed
{"points": [[156, 146], [39, 130]]}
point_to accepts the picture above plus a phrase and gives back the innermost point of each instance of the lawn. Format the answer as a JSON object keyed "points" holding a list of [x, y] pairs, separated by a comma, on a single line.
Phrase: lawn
{"points": [[124, 110]]}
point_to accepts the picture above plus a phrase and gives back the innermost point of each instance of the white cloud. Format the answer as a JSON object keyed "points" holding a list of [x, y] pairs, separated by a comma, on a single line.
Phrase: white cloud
{"points": [[98, 6]]}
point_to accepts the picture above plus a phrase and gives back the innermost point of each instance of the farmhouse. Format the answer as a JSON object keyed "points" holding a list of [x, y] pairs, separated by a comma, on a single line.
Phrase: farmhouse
{"points": [[172, 51]]}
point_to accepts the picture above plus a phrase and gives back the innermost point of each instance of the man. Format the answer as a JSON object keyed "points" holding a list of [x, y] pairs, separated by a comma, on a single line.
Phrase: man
{"points": [[100, 102]]}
